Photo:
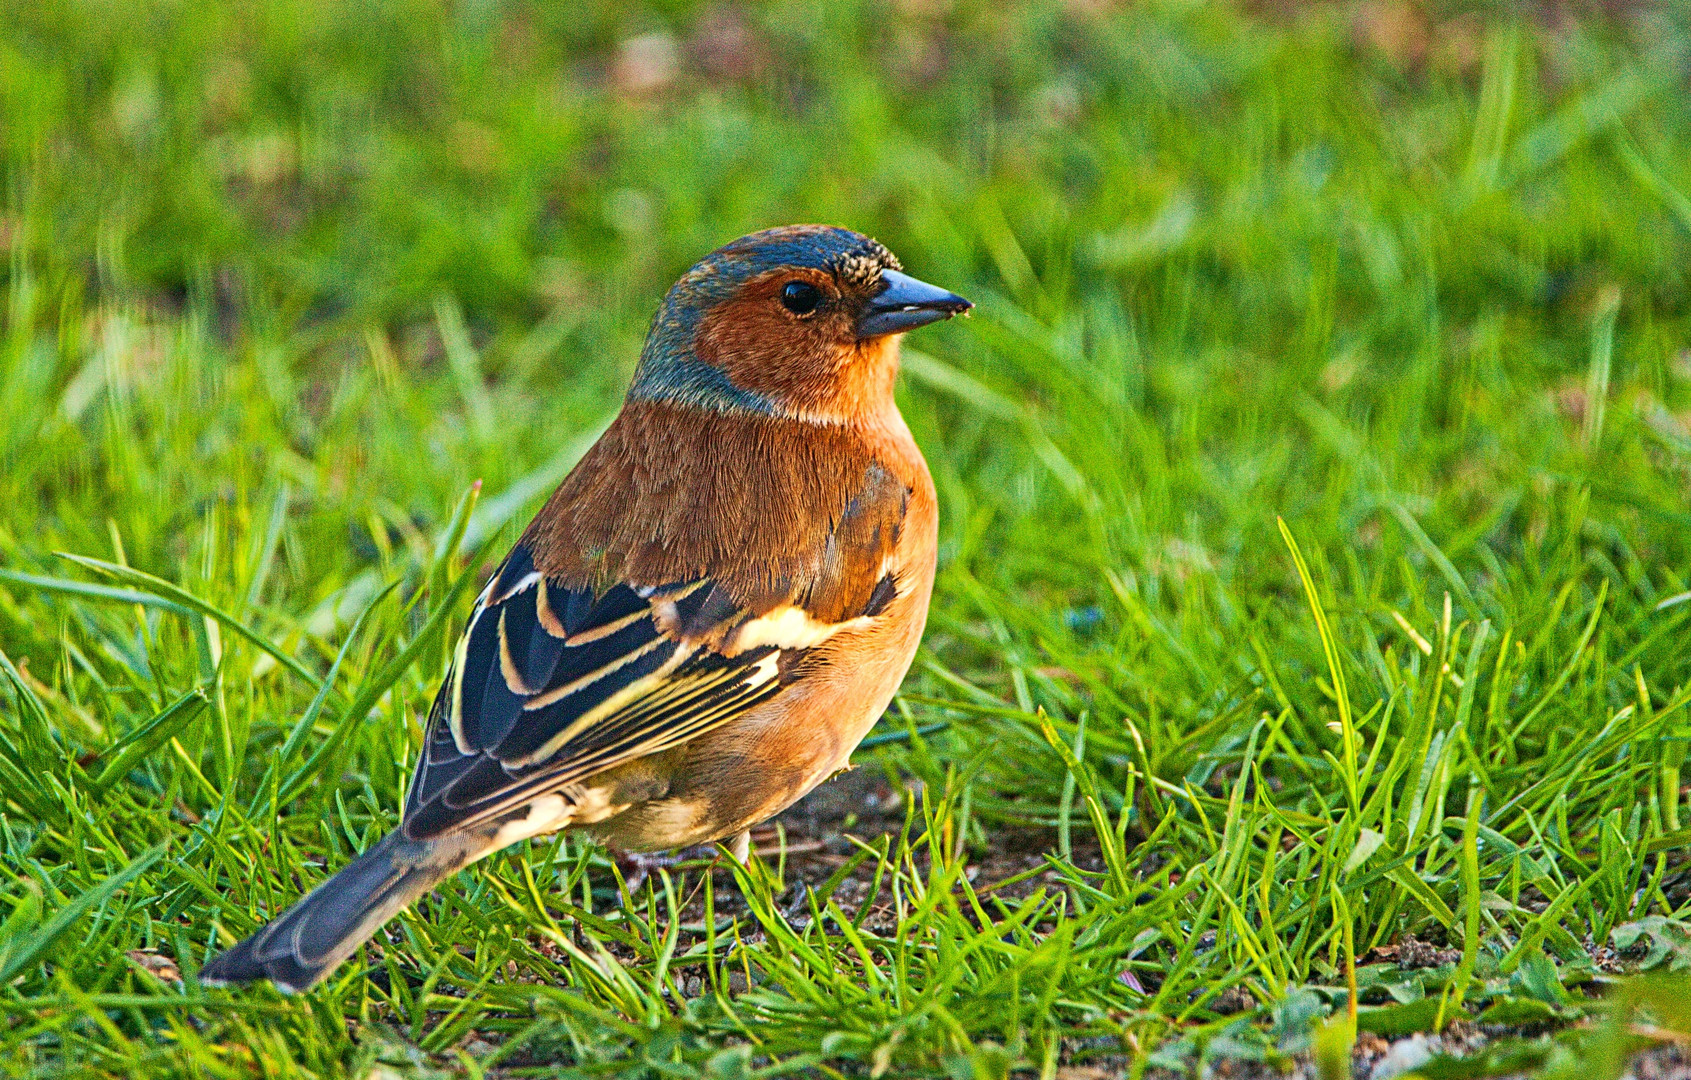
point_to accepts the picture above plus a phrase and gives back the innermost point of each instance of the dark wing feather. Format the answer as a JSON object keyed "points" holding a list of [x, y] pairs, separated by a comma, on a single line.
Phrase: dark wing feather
{"points": [[552, 685]]}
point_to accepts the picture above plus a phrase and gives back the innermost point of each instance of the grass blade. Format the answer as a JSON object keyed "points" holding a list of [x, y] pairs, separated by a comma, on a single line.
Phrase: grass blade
{"points": [[24, 950], [150, 736], [181, 598]]}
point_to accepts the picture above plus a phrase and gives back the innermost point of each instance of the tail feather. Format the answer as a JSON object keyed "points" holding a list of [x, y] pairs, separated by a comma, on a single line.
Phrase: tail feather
{"points": [[311, 938]]}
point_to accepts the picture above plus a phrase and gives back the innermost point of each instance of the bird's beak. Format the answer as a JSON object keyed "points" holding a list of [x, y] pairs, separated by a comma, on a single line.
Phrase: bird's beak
{"points": [[905, 304]]}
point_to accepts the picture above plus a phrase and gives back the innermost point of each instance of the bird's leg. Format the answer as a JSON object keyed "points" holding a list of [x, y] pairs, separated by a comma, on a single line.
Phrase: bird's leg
{"points": [[637, 866], [741, 847]]}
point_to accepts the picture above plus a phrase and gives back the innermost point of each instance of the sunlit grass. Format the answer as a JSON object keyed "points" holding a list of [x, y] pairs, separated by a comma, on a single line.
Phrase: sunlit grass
{"points": [[1316, 539]]}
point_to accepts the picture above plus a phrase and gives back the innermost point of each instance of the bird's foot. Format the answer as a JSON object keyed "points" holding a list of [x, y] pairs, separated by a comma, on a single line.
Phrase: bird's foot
{"points": [[637, 866]]}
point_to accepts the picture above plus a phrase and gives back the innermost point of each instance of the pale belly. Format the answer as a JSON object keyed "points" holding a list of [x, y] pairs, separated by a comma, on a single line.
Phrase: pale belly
{"points": [[750, 770]]}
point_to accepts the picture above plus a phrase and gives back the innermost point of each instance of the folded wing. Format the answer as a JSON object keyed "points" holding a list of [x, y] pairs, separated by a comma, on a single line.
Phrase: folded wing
{"points": [[551, 685]]}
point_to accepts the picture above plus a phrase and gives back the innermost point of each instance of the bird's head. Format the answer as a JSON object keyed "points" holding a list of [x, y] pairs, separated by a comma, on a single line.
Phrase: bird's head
{"points": [[800, 321]]}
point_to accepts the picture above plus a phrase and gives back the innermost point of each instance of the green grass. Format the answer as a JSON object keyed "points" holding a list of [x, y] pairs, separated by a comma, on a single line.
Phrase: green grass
{"points": [[1315, 562]]}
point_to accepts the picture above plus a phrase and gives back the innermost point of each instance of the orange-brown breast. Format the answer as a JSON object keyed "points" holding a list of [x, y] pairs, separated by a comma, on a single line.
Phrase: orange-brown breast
{"points": [[775, 510], [778, 512]]}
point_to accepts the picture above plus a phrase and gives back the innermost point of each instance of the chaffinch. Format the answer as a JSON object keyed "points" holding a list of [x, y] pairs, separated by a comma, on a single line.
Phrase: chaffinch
{"points": [[705, 618]]}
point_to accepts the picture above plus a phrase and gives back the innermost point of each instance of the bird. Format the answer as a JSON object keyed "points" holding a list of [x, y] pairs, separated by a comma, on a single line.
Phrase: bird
{"points": [[703, 620]]}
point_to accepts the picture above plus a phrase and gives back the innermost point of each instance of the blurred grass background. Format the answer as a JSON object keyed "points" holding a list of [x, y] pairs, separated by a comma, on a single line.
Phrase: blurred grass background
{"points": [[283, 279]]}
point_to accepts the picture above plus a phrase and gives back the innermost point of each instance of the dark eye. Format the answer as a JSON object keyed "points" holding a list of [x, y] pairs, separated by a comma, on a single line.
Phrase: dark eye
{"points": [[800, 297]]}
